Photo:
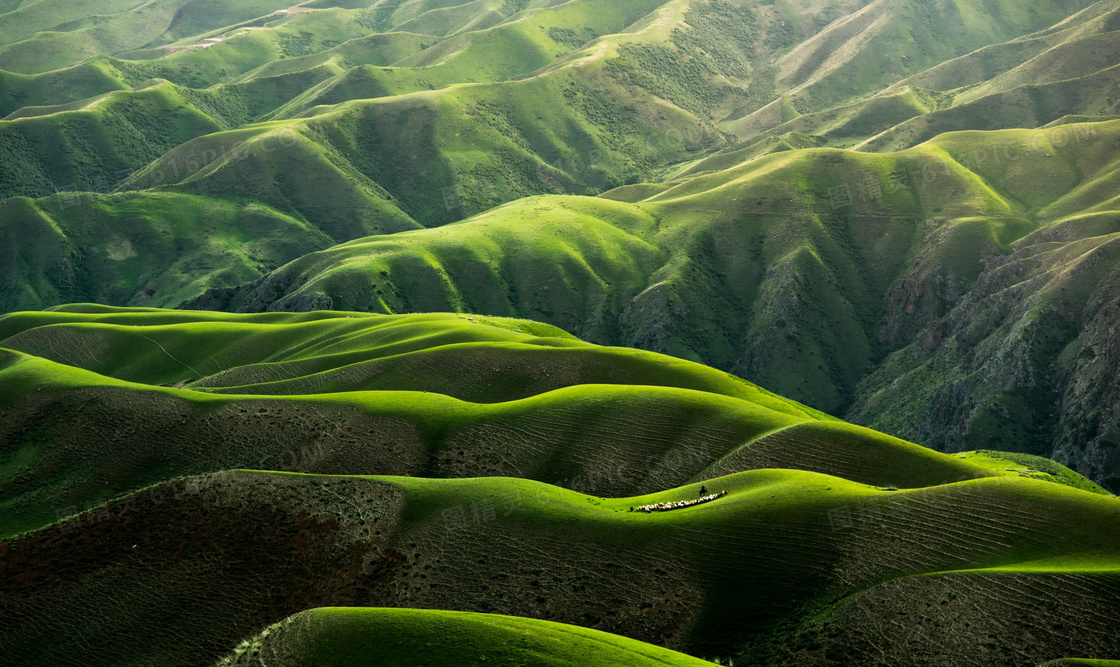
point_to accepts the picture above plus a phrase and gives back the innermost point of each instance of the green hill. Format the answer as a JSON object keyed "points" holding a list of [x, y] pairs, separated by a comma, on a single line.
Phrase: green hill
{"points": [[721, 579], [806, 271], [161, 394], [167, 402], [585, 53], [52, 34], [1029, 81], [94, 144], [883, 44], [407, 637], [155, 248], [418, 157], [372, 431]]}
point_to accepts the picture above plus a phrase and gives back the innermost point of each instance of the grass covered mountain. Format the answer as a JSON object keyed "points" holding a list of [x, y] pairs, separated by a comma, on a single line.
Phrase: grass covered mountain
{"points": [[492, 465], [876, 285], [399, 450], [332, 132], [451, 395]]}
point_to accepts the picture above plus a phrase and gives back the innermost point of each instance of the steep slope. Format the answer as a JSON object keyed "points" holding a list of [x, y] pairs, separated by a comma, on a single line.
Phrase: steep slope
{"points": [[181, 569], [93, 145], [57, 87], [885, 42], [158, 248], [425, 476], [53, 34], [422, 157], [1065, 70], [801, 270], [441, 156], [704, 61]]}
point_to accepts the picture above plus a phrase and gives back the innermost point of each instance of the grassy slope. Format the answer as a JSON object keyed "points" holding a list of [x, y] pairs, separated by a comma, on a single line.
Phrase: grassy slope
{"points": [[706, 579], [407, 637], [624, 264], [57, 87], [94, 145], [1025, 82], [464, 149], [282, 52], [440, 157], [635, 58], [1027, 302], [606, 420], [153, 249], [780, 213], [417, 159], [554, 136], [516, 47], [814, 291], [1033, 105], [29, 45], [888, 41]]}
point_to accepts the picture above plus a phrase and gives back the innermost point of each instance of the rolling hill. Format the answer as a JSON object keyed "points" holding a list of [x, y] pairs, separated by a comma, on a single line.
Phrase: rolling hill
{"points": [[344, 636], [706, 579], [516, 332], [335, 393], [448, 420], [296, 131], [824, 275]]}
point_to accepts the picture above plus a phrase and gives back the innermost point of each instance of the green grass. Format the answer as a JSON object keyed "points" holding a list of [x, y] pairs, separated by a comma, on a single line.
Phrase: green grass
{"points": [[443, 155], [130, 248], [601, 259], [753, 270], [821, 74], [29, 46], [612, 268], [439, 395], [92, 145], [405, 171], [716, 582], [408, 637]]}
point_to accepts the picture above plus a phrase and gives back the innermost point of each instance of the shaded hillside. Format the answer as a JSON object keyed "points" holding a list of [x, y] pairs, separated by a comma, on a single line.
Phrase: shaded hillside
{"points": [[679, 67], [808, 272], [192, 558], [158, 248], [414, 637], [93, 145], [429, 395], [410, 114], [400, 450], [1065, 70], [241, 550]]}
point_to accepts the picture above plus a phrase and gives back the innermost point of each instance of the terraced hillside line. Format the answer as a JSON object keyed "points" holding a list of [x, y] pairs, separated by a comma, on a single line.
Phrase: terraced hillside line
{"points": [[993, 616], [707, 579], [136, 437], [608, 421]]}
